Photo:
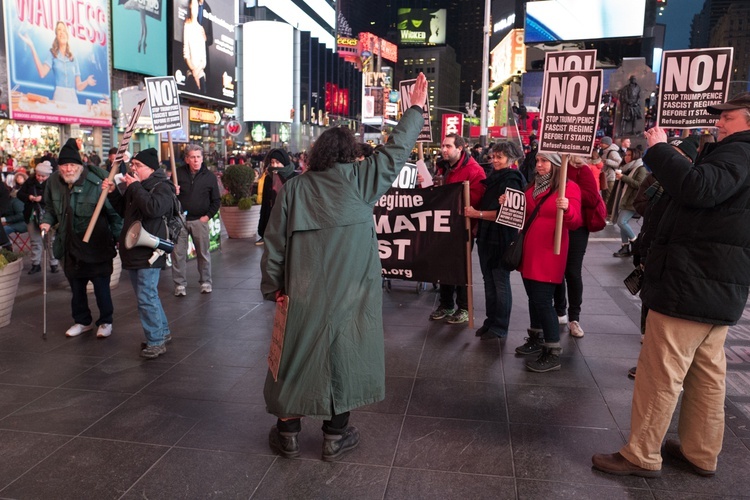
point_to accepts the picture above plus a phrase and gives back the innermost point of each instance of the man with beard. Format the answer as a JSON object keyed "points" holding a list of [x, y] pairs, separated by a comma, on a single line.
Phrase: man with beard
{"points": [[70, 196]]}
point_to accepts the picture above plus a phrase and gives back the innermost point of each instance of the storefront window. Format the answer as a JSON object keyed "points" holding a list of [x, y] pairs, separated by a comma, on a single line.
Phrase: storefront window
{"points": [[26, 141]]}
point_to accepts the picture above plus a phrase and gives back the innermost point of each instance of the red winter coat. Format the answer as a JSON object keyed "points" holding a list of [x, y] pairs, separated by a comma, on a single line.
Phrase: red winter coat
{"points": [[585, 180], [539, 262], [467, 169]]}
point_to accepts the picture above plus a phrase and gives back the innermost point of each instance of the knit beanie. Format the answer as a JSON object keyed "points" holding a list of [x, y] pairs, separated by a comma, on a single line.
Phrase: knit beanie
{"points": [[687, 146], [607, 141], [69, 153], [553, 158], [44, 168], [280, 155], [148, 157]]}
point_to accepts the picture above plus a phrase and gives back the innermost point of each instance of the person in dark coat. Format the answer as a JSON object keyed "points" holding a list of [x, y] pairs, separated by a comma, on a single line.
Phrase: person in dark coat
{"points": [[278, 169], [148, 197], [32, 196], [70, 196], [696, 282]]}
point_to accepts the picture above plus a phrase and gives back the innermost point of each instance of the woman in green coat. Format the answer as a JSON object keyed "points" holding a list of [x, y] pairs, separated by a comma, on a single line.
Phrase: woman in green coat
{"points": [[321, 251]]}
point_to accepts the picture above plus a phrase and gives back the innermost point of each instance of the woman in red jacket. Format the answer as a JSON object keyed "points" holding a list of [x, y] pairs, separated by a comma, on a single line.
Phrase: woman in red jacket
{"points": [[540, 268]]}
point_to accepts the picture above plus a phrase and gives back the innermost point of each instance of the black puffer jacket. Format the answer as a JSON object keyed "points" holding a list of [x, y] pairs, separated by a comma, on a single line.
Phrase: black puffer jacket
{"points": [[148, 202], [698, 266]]}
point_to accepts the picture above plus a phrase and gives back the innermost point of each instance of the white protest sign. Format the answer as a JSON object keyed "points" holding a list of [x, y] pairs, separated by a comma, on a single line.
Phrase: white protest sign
{"points": [[690, 81], [407, 178], [513, 212], [164, 103], [406, 87]]}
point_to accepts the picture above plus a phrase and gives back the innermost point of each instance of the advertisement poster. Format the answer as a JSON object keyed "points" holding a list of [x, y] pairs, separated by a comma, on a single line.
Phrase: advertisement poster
{"points": [[203, 49], [4, 100], [691, 80], [422, 26], [420, 232], [58, 61], [139, 36]]}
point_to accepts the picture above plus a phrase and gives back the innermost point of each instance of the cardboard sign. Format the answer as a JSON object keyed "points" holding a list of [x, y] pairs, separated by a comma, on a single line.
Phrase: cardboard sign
{"points": [[406, 87], [691, 80], [513, 212], [277, 339], [570, 110], [164, 103]]}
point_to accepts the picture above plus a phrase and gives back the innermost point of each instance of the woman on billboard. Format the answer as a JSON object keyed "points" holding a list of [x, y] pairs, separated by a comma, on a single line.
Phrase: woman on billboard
{"points": [[64, 66], [194, 47]]}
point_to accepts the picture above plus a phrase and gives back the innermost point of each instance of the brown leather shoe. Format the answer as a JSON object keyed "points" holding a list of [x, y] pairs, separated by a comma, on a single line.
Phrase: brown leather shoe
{"points": [[672, 448], [618, 465]]}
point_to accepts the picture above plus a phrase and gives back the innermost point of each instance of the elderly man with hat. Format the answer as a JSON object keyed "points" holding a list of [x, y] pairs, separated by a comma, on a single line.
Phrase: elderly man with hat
{"points": [[697, 276], [70, 196], [31, 194], [147, 197], [278, 169], [199, 195]]}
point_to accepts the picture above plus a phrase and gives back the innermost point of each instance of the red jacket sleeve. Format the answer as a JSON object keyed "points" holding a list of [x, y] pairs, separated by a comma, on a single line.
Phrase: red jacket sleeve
{"points": [[573, 219], [587, 184]]}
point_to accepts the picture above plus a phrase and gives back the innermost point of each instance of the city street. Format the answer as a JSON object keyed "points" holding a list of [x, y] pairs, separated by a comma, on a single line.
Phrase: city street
{"points": [[88, 418]]}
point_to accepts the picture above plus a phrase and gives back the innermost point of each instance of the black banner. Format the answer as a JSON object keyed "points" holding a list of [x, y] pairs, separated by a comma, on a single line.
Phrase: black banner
{"points": [[422, 234]]}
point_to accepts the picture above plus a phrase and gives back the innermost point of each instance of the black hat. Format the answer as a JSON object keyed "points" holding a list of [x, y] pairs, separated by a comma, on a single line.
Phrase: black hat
{"points": [[280, 155], [737, 102], [69, 153], [687, 146], [148, 157]]}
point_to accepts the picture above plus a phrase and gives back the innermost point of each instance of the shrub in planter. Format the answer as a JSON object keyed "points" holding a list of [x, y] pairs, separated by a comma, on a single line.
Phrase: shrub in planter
{"points": [[238, 181]]}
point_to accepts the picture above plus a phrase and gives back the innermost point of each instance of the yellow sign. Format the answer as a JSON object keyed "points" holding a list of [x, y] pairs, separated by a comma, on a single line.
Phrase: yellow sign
{"points": [[204, 115]]}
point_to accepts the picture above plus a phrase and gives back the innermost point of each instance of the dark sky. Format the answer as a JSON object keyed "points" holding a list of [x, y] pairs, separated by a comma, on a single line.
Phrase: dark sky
{"points": [[678, 15]]}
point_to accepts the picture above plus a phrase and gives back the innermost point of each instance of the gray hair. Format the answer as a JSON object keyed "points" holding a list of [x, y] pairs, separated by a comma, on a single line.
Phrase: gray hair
{"points": [[193, 147]]}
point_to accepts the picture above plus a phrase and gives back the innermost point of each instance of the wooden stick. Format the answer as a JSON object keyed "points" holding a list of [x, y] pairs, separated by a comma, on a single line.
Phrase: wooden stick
{"points": [[469, 279], [420, 150], [563, 177], [171, 159]]}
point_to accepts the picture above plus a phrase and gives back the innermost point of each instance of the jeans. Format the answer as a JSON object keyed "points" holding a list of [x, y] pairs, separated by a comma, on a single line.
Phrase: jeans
{"points": [[199, 231], [497, 293], [541, 312], [35, 238], [626, 232], [446, 296], [578, 241], [153, 319], [80, 301]]}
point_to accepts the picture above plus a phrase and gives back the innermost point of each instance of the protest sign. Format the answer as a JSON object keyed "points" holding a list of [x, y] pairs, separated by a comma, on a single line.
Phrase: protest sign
{"points": [[513, 212], [570, 60], [421, 234], [570, 109], [164, 103], [690, 81], [406, 87], [407, 178]]}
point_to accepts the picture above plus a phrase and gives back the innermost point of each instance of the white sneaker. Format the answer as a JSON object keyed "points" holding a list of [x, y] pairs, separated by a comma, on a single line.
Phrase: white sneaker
{"points": [[563, 320], [206, 288], [105, 330], [575, 329], [179, 291], [78, 329]]}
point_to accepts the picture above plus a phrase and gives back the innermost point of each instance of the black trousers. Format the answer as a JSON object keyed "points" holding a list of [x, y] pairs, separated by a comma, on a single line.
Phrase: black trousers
{"points": [[577, 243], [337, 424]]}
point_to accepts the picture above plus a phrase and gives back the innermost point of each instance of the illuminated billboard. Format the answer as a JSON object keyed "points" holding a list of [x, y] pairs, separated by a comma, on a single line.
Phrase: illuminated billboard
{"points": [[508, 58], [569, 20], [421, 26], [375, 45], [147, 52]]}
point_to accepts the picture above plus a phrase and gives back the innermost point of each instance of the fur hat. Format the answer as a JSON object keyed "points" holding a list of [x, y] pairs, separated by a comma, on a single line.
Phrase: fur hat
{"points": [[606, 141], [148, 157], [69, 153], [553, 158], [280, 155], [44, 168], [687, 146]]}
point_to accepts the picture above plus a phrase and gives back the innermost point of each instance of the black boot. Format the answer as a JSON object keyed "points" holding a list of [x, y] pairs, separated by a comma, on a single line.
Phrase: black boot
{"points": [[623, 252], [54, 269], [533, 343], [335, 445], [35, 268], [548, 361], [284, 443]]}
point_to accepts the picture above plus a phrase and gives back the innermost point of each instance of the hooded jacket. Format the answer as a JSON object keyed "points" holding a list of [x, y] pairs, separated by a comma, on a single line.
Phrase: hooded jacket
{"points": [[698, 265]]}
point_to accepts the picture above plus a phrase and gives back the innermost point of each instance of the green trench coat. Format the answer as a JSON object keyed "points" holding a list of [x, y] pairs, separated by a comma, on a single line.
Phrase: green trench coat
{"points": [[321, 249]]}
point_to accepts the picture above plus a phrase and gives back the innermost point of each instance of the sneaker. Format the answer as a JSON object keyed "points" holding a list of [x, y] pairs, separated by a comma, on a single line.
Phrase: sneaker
{"points": [[153, 351], [575, 329], [563, 320], [180, 291], [167, 340], [548, 361], [54, 269], [284, 443], [461, 316], [533, 345], [623, 252], [441, 313], [631, 372], [104, 330], [335, 445], [78, 329], [35, 268], [260, 242], [206, 288]]}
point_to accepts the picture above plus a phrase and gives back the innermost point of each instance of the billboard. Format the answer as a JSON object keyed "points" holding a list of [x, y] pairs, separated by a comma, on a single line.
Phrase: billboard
{"points": [[267, 99], [506, 15], [58, 61], [563, 20], [508, 58], [4, 100], [147, 52], [337, 100], [421, 26], [375, 45], [203, 49]]}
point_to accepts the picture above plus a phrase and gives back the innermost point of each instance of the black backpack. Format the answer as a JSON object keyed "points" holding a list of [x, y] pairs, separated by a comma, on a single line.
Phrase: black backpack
{"points": [[175, 220]]}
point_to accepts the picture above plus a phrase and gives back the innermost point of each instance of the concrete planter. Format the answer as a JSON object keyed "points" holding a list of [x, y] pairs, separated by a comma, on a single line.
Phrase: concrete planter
{"points": [[240, 223], [9, 278], [114, 280]]}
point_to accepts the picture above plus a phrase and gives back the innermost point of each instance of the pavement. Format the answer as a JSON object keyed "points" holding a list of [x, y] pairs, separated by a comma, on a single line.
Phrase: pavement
{"points": [[88, 418]]}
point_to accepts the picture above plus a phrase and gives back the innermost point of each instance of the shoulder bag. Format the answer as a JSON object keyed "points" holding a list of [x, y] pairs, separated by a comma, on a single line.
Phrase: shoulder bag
{"points": [[596, 218], [511, 259]]}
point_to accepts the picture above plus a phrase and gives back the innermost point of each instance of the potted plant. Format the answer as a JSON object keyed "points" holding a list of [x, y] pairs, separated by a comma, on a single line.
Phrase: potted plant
{"points": [[240, 212], [11, 264]]}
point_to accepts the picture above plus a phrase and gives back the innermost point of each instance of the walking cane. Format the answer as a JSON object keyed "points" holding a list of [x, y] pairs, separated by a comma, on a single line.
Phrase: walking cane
{"points": [[44, 283]]}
